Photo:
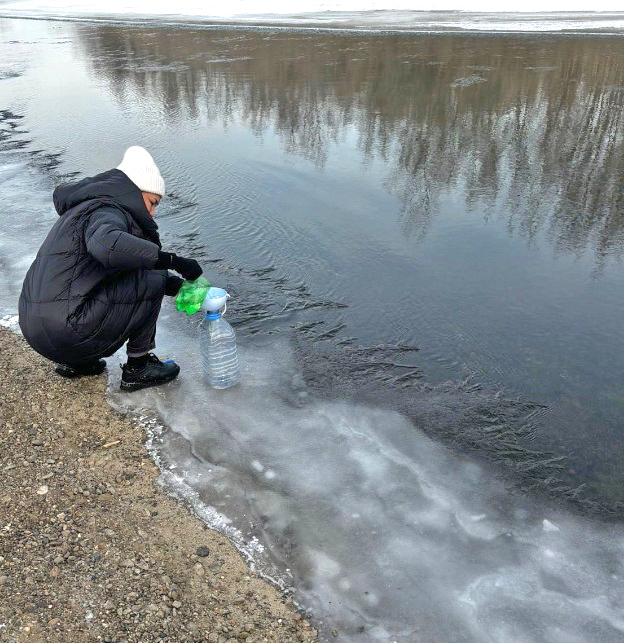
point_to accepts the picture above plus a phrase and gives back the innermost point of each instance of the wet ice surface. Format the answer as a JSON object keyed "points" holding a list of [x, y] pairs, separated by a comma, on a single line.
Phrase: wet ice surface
{"points": [[23, 227], [383, 534], [308, 466]]}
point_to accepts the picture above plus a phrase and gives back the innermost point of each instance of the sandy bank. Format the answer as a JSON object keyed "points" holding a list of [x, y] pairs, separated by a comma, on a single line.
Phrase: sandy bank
{"points": [[90, 547]]}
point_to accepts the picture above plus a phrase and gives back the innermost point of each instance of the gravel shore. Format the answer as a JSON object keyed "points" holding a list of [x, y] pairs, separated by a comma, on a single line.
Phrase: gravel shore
{"points": [[91, 549]]}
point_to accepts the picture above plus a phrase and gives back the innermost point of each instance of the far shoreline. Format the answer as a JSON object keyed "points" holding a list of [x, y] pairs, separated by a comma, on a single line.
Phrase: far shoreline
{"points": [[315, 24]]}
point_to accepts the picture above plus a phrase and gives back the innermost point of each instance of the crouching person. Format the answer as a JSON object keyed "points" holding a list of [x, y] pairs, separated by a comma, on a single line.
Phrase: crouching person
{"points": [[100, 276]]}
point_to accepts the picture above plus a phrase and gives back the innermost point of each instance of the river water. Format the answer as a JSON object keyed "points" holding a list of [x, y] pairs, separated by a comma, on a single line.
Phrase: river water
{"points": [[422, 236]]}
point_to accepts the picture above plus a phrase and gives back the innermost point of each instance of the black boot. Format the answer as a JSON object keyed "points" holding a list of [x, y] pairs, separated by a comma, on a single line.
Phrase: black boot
{"points": [[152, 373], [89, 368]]}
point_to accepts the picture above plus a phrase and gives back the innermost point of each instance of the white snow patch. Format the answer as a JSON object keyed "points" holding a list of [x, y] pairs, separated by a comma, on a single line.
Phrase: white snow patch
{"points": [[11, 322], [549, 526]]}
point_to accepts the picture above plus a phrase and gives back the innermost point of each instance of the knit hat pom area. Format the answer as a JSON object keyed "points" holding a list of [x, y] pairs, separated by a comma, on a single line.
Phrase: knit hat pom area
{"points": [[138, 165]]}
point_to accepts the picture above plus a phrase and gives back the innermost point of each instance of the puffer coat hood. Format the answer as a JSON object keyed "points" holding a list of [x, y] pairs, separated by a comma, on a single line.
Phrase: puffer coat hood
{"points": [[93, 281], [113, 186]]}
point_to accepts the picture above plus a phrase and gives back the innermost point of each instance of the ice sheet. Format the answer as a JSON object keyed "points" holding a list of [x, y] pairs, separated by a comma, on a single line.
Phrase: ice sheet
{"points": [[480, 15], [383, 534]]}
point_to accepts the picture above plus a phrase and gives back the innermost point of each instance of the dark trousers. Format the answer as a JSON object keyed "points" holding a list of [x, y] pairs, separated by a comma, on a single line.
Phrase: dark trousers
{"points": [[143, 339]]}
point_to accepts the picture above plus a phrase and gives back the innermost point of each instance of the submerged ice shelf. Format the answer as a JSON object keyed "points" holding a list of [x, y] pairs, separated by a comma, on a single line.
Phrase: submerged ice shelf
{"points": [[383, 534]]}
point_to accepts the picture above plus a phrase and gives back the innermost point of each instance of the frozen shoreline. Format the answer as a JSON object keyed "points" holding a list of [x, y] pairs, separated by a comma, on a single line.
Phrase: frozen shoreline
{"points": [[85, 518]]}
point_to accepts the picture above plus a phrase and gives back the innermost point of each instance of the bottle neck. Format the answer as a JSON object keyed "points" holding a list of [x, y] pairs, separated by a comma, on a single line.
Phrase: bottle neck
{"points": [[212, 316]]}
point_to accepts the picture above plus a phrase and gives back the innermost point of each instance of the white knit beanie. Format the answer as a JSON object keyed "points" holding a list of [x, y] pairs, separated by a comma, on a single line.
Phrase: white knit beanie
{"points": [[138, 165]]}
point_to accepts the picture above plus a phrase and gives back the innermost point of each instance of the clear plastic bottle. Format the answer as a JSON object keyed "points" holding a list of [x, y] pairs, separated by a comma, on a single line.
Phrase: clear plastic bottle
{"points": [[217, 341]]}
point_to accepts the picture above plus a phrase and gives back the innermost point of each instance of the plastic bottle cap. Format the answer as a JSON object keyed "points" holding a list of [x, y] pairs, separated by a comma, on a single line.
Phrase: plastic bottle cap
{"points": [[213, 315]]}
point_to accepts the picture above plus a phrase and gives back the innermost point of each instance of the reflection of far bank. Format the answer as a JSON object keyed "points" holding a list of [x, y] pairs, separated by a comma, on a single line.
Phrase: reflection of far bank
{"points": [[529, 127]]}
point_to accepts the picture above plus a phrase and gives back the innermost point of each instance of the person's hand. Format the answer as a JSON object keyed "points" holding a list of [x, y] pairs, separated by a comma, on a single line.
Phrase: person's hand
{"points": [[173, 285], [188, 268]]}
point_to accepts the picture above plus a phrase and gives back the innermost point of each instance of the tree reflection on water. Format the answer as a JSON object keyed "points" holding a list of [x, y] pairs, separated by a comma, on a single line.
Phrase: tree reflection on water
{"points": [[528, 127]]}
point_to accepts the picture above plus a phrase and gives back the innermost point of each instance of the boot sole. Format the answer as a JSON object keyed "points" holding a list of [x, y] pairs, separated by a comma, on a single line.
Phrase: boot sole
{"points": [[137, 386], [69, 373]]}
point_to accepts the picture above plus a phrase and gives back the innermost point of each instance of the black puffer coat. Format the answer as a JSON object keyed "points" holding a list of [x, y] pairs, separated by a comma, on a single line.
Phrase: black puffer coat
{"points": [[93, 281]]}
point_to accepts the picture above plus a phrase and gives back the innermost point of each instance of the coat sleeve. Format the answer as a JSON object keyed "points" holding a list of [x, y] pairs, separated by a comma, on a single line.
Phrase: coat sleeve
{"points": [[109, 242]]}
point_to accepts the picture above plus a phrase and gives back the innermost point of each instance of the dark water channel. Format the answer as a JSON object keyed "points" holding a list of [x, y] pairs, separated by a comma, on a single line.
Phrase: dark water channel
{"points": [[426, 224]]}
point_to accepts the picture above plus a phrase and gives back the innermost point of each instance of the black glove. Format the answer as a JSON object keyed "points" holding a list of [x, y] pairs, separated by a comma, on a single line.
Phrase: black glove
{"points": [[188, 268], [173, 285]]}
